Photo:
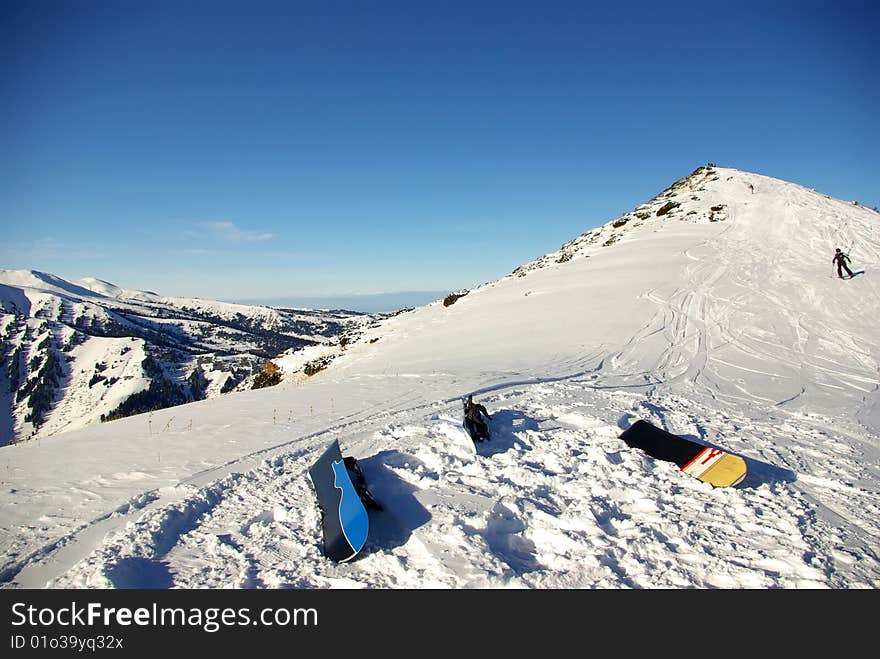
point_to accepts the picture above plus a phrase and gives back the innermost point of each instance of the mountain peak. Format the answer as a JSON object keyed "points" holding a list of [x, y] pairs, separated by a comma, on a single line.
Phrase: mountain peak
{"points": [[43, 281], [100, 286], [770, 209], [711, 311]]}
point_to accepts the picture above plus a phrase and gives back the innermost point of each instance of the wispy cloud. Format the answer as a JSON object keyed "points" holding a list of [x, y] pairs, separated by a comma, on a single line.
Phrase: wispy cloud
{"points": [[230, 232]]}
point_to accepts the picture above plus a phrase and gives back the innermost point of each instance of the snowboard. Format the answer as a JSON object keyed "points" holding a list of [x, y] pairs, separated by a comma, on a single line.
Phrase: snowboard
{"points": [[360, 483], [471, 430], [710, 465], [344, 519]]}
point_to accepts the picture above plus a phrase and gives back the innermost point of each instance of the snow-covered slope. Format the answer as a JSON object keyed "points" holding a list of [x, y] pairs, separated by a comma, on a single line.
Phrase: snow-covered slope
{"points": [[718, 318], [73, 353]]}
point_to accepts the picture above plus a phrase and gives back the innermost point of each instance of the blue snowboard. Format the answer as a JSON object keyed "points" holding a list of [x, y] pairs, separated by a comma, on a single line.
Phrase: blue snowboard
{"points": [[343, 515]]}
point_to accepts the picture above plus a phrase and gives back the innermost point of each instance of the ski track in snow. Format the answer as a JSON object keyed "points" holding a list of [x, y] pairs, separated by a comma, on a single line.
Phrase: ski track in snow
{"points": [[555, 500]]}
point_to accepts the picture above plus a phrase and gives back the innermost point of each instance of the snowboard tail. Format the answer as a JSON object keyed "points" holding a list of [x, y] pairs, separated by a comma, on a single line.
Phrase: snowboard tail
{"points": [[344, 519], [708, 464]]}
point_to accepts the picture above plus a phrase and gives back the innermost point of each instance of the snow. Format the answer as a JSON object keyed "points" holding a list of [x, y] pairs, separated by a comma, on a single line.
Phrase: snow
{"points": [[122, 357], [43, 281], [726, 326], [224, 310], [43, 317]]}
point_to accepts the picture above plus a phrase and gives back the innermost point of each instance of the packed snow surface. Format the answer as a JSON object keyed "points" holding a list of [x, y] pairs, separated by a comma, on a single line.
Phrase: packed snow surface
{"points": [[719, 319]]}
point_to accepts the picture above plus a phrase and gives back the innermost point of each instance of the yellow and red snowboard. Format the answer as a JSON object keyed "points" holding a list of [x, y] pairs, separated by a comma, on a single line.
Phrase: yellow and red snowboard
{"points": [[710, 465]]}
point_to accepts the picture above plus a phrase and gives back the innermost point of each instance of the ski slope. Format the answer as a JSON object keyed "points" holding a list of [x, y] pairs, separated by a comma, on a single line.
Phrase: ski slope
{"points": [[719, 319]]}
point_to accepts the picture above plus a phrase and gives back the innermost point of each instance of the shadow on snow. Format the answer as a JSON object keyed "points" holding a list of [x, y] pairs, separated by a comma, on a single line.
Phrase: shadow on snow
{"points": [[140, 573], [503, 429], [402, 513]]}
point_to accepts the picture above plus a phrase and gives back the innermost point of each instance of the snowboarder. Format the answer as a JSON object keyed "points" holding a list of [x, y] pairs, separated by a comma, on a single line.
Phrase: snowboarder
{"points": [[472, 418], [841, 259]]}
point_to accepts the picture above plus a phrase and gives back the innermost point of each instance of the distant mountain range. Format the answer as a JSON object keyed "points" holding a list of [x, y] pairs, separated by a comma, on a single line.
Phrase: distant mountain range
{"points": [[72, 353], [371, 303]]}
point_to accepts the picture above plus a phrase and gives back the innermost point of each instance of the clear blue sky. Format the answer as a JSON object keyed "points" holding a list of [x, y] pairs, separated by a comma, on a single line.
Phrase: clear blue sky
{"points": [[254, 149]]}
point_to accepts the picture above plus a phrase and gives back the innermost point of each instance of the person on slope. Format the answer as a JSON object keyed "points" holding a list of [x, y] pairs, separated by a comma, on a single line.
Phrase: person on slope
{"points": [[841, 259], [473, 420]]}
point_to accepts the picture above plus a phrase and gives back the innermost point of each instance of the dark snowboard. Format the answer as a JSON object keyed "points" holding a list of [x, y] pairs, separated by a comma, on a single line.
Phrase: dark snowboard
{"points": [[360, 483], [343, 516], [710, 465], [473, 430]]}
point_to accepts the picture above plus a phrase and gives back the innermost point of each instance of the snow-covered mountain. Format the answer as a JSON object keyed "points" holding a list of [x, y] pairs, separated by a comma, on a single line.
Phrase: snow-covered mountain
{"points": [[74, 353], [711, 310]]}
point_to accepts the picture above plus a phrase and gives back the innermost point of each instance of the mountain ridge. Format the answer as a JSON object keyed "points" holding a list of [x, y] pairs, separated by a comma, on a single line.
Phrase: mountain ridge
{"points": [[117, 351], [734, 333]]}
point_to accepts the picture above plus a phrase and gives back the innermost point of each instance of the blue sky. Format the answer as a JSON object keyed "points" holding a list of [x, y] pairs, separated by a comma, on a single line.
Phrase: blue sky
{"points": [[263, 150]]}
